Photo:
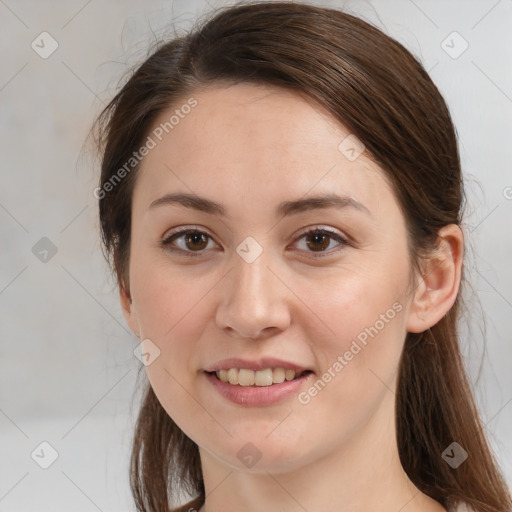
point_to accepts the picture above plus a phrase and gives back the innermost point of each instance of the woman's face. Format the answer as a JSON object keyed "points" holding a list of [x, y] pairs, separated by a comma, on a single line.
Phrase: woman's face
{"points": [[253, 284]]}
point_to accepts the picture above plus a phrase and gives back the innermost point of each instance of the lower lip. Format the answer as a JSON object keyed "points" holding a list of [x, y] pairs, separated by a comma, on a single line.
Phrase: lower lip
{"points": [[258, 395]]}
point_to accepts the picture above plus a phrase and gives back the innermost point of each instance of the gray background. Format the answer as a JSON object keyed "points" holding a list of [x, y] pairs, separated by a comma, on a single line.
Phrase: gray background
{"points": [[68, 371]]}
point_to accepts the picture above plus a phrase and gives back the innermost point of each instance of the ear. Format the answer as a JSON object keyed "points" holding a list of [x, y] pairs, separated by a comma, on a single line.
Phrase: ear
{"points": [[439, 283], [129, 310]]}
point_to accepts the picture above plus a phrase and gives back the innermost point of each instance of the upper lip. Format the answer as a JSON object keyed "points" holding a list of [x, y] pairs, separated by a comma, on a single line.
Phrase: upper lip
{"points": [[260, 364]]}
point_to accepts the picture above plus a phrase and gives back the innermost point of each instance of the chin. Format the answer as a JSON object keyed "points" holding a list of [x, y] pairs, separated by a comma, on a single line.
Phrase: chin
{"points": [[258, 453]]}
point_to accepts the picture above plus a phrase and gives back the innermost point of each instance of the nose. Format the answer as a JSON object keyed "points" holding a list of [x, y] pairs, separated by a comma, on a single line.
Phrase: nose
{"points": [[254, 300]]}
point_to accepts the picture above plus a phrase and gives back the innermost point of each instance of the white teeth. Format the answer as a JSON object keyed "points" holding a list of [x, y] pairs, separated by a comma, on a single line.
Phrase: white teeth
{"points": [[278, 375], [233, 376], [244, 377], [263, 377]]}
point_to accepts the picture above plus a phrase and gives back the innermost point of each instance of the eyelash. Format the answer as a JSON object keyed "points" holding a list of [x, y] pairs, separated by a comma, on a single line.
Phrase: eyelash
{"points": [[165, 244]]}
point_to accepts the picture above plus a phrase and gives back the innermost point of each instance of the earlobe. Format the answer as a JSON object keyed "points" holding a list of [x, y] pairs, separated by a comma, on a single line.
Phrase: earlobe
{"points": [[440, 281]]}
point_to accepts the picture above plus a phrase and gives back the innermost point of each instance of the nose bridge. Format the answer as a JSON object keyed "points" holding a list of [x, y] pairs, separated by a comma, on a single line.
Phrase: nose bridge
{"points": [[251, 278], [253, 299]]}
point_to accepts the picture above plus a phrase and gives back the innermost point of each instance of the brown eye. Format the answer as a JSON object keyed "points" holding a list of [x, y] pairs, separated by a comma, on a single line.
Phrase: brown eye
{"points": [[196, 240], [319, 240], [190, 242]]}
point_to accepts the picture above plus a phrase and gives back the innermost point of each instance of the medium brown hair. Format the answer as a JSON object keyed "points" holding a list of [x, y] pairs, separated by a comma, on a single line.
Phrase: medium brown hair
{"points": [[383, 95]]}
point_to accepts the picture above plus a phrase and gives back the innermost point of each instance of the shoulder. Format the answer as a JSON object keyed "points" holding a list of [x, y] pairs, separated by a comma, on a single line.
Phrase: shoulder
{"points": [[192, 506]]}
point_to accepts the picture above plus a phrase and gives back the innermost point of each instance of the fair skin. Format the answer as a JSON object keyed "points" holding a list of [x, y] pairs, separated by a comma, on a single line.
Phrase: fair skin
{"points": [[250, 148]]}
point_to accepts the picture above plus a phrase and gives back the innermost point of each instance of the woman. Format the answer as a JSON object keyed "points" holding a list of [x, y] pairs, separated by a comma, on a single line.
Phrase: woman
{"points": [[281, 200]]}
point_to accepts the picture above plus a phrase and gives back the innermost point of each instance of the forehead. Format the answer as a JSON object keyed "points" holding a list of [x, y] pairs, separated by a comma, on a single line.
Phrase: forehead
{"points": [[258, 142]]}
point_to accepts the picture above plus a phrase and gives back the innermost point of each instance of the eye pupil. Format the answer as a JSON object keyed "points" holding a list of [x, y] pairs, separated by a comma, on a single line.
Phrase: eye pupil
{"points": [[195, 238], [318, 238]]}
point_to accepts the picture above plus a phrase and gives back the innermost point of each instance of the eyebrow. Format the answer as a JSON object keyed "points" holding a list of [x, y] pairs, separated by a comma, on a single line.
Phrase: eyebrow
{"points": [[284, 209]]}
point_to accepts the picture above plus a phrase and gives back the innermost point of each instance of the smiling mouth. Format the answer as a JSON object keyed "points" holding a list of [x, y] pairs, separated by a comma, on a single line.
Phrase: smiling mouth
{"points": [[260, 378]]}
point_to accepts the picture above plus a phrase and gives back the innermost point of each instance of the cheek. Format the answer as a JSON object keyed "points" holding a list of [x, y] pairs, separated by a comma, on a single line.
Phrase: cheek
{"points": [[359, 361], [171, 311], [167, 296], [359, 305]]}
